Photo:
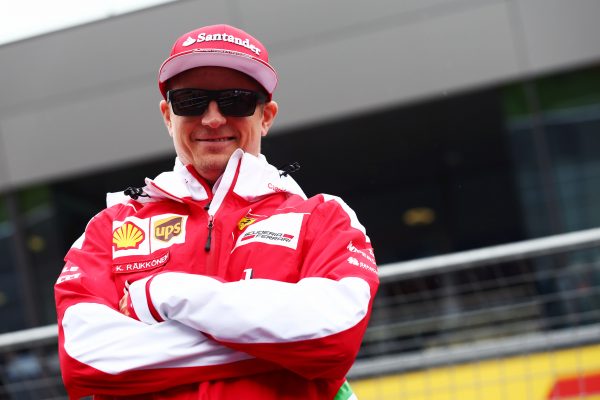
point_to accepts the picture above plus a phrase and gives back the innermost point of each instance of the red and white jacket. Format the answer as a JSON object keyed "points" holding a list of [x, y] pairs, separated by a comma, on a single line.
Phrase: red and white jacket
{"points": [[248, 290]]}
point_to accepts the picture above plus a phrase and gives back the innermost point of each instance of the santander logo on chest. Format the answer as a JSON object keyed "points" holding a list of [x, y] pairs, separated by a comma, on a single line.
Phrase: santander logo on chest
{"points": [[278, 230]]}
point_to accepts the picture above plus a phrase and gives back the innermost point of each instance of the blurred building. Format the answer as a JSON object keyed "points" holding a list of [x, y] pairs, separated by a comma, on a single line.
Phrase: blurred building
{"points": [[446, 124]]}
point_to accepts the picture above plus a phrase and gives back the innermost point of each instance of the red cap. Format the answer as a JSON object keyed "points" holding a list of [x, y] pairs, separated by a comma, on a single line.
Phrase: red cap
{"points": [[220, 46]]}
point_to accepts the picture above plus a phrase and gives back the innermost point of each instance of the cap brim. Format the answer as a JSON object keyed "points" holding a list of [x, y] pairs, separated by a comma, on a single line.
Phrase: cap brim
{"points": [[262, 72]]}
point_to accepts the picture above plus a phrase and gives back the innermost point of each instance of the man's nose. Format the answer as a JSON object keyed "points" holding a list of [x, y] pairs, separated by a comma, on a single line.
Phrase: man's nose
{"points": [[212, 117]]}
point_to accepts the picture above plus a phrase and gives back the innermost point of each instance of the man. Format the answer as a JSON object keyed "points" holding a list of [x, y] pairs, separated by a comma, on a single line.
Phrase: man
{"points": [[219, 279]]}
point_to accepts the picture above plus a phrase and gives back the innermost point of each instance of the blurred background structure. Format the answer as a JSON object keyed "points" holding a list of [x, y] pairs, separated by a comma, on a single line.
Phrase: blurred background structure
{"points": [[448, 125]]}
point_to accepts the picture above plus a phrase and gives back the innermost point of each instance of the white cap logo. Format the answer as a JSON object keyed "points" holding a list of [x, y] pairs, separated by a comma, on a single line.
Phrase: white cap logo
{"points": [[189, 41], [221, 37]]}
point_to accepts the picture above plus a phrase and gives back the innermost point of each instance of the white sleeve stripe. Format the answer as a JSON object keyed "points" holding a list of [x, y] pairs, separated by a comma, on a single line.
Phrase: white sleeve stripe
{"points": [[351, 214], [78, 244], [172, 344], [140, 303], [262, 310]]}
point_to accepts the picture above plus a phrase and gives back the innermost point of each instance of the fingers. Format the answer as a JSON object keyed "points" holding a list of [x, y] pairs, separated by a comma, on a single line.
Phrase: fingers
{"points": [[124, 300]]}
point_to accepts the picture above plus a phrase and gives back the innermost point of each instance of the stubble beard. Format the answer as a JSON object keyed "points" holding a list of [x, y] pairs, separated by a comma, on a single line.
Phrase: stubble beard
{"points": [[211, 166]]}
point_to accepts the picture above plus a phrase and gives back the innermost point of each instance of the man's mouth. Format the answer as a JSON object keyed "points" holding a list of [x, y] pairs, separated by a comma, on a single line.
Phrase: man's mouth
{"points": [[225, 139]]}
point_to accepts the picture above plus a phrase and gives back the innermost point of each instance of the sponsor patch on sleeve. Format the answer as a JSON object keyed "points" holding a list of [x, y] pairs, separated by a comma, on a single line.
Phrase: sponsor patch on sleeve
{"points": [[69, 272], [364, 259], [360, 264], [367, 254]]}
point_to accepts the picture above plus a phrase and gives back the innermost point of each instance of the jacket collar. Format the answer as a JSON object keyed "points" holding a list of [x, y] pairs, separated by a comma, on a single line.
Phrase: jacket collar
{"points": [[252, 178]]}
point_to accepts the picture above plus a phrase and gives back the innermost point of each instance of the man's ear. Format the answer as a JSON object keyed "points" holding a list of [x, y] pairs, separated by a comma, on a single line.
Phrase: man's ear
{"points": [[270, 110], [165, 109]]}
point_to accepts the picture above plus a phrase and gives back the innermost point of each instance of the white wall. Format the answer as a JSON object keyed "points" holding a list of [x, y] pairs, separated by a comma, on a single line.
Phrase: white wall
{"points": [[86, 98]]}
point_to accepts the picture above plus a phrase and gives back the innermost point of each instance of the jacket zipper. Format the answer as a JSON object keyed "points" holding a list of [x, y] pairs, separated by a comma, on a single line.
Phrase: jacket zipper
{"points": [[223, 188], [209, 237], [211, 219]]}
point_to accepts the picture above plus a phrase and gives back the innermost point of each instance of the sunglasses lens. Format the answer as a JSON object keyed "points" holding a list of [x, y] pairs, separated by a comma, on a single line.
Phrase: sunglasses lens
{"points": [[188, 102], [237, 103], [231, 102]]}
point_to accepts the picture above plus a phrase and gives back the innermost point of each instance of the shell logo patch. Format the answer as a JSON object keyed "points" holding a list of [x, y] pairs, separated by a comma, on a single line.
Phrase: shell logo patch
{"points": [[143, 236], [168, 228], [128, 236]]}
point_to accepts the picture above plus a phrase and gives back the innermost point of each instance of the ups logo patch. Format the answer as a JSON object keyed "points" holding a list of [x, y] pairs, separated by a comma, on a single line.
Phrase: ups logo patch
{"points": [[168, 228]]}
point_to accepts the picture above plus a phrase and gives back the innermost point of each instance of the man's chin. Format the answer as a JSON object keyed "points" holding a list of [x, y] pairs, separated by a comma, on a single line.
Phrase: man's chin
{"points": [[212, 165]]}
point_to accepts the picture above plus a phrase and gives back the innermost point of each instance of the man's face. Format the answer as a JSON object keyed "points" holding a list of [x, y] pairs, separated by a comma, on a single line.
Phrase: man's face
{"points": [[207, 141]]}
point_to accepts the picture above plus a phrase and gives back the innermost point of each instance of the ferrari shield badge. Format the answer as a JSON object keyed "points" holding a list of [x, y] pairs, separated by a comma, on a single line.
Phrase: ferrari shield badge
{"points": [[245, 221]]}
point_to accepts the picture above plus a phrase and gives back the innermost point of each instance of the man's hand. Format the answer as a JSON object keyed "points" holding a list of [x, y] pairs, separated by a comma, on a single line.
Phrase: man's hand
{"points": [[123, 308]]}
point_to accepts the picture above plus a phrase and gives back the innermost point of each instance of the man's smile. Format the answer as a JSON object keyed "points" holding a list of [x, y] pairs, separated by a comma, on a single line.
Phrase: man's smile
{"points": [[225, 139]]}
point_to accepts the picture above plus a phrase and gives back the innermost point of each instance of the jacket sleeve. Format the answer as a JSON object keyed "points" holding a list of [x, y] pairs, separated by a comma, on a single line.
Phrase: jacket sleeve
{"points": [[104, 352], [313, 327]]}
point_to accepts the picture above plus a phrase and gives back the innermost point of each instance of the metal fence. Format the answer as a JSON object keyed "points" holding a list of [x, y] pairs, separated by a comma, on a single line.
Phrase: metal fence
{"points": [[29, 366], [518, 321], [459, 326]]}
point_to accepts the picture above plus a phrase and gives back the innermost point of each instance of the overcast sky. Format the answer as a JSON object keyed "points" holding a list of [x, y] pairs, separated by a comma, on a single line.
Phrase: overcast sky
{"points": [[20, 19]]}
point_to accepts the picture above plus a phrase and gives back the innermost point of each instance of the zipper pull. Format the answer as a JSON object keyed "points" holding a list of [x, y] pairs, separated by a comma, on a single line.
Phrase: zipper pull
{"points": [[209, 238]]}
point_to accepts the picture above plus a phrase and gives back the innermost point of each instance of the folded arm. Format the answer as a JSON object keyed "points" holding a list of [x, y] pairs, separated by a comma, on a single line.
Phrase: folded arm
{"points": [[105, 352], [313, 327]]}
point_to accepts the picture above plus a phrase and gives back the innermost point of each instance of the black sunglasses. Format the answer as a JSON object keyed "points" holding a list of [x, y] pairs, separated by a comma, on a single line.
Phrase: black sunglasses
{"points": [[231, 102]]}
